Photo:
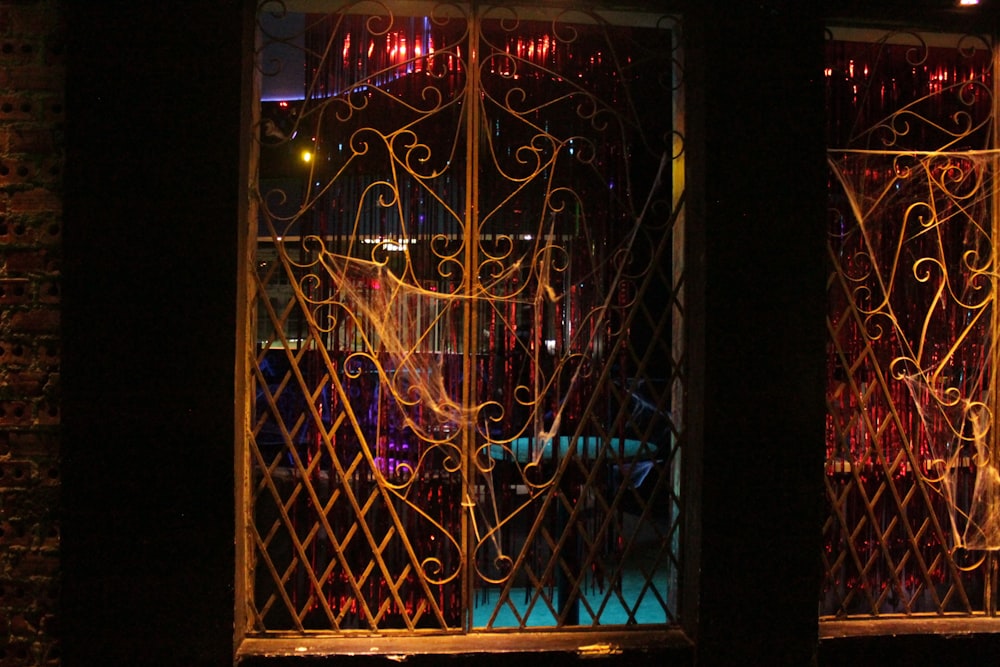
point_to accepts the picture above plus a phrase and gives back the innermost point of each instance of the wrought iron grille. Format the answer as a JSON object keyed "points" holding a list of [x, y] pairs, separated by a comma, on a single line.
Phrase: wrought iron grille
{"points": [[468, 366], [911, 460]]}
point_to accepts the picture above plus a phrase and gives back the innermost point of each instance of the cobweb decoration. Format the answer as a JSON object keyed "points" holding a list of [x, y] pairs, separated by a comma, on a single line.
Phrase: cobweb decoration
{"points": [[407, 329], [913, 378], [386, 318], [967, 473]]}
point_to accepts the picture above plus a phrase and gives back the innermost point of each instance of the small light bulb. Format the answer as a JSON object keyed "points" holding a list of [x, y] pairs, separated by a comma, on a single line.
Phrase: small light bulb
{"points": [[307, 156]]}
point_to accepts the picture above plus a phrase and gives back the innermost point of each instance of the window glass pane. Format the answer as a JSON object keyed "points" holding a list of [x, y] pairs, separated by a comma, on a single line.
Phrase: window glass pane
{"points": [[467, 360], [911, 483]]}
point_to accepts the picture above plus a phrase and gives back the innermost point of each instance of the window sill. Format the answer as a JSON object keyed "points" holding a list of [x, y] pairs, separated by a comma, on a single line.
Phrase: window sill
{"points": [[908, 625], [584, 644]]}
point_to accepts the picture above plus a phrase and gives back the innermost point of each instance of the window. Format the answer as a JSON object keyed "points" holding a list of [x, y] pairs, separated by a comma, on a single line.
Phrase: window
{"points": [[467, 364], [911, 483]]}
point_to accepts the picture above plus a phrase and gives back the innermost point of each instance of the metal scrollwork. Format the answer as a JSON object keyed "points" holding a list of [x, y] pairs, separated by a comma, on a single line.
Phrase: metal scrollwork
{"points": [[468, 337], [912, 475]]}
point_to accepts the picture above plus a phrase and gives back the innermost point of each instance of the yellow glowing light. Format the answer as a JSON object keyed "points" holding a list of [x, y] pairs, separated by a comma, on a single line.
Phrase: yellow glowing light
{"points": [[307, 156]]}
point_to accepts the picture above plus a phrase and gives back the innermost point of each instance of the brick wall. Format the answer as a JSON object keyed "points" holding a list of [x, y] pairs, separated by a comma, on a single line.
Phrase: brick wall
{"points": [[31, 125]]}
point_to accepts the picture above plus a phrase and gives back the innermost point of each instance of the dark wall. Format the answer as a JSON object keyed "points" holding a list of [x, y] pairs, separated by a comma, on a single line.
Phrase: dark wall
{"points": [[152, 182], [31, 174], [757, 163]]}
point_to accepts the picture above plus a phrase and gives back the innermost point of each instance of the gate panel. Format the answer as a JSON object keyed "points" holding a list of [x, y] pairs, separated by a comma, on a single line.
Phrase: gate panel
{"points": [[911, 478], [467, 313]]}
